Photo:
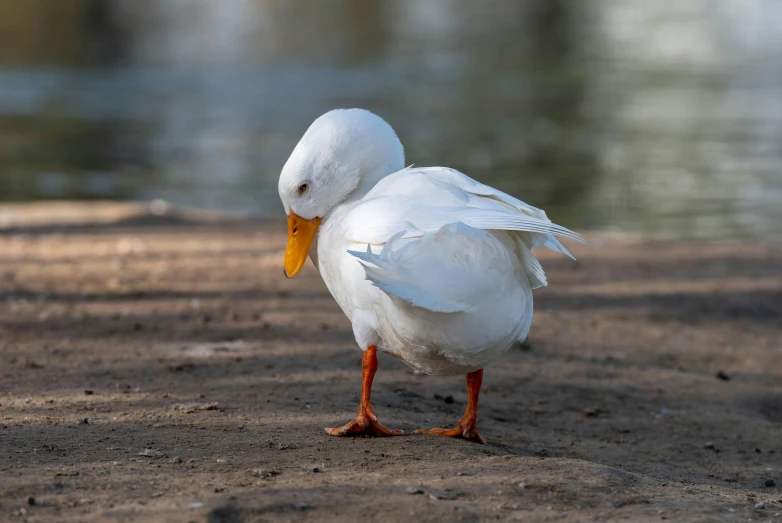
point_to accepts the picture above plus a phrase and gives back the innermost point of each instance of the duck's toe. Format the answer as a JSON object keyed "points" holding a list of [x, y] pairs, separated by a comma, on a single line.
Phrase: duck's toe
{"points": [[467, 432], [363, 425]]}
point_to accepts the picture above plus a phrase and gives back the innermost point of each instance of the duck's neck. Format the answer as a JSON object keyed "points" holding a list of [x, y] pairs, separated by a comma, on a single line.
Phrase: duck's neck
{"points": [[369, 180], [365, 184]]}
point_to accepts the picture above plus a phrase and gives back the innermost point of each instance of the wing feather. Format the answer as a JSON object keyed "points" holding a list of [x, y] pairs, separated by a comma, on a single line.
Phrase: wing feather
{"points": [[471, 186], [450, 270], [424, 204]]}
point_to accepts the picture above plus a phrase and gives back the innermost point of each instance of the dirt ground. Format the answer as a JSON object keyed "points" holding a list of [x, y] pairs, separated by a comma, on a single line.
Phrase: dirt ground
{"points": [[651, 387]]}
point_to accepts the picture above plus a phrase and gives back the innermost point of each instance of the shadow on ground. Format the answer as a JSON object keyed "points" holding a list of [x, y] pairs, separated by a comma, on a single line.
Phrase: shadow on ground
{"points": [[650, 387]]}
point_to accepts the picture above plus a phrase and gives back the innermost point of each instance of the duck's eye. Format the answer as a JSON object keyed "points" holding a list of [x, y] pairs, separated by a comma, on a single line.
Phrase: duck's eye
{"points": [[303, 188]]}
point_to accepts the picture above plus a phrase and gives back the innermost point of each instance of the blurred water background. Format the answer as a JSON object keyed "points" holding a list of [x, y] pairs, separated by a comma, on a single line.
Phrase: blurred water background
{"points": [[660, 117]]}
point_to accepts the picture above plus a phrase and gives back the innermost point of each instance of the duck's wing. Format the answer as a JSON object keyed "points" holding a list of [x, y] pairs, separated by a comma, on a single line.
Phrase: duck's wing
{"points": [[424, 199], [444, 271], [534, 240], [445, 210]]}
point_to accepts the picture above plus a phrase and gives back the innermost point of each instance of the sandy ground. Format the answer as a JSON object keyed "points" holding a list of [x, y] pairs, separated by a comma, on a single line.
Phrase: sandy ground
{"points": [[185, 342]]}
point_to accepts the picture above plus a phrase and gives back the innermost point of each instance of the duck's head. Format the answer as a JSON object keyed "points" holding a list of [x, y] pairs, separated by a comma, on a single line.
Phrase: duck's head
{"points": [[342, 155]]}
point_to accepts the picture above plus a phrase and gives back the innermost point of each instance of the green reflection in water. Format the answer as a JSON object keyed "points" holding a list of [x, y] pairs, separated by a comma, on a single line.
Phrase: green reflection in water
{"points": [[608, 114]]}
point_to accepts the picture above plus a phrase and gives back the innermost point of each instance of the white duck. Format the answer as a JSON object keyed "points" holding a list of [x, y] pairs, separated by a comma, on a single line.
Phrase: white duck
{"points": [[429, 265]]}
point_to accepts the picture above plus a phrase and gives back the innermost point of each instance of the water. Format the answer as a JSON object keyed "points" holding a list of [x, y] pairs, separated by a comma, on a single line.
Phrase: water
{"points": [[659, 117]]}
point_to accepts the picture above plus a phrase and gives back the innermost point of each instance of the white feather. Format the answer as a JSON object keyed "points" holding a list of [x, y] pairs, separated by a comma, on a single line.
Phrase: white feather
{"points": [[433, 266]]}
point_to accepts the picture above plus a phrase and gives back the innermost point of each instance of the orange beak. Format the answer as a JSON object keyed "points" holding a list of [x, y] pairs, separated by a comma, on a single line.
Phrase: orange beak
{"points": [[300, 235]]}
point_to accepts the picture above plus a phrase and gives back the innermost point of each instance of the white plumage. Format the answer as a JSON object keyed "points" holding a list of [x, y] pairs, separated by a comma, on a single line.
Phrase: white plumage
{"points": [[446, 273], [429, 265]]}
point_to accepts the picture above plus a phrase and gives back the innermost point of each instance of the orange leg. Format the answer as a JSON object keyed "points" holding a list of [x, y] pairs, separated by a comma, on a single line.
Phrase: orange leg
{"points": [[468, 425], [366, 420]]}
